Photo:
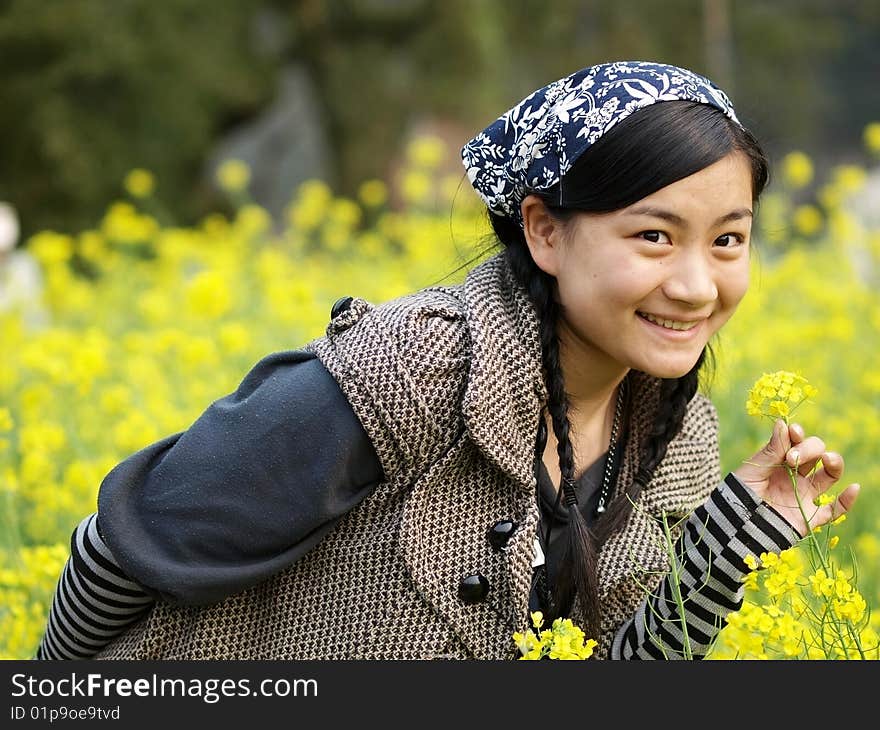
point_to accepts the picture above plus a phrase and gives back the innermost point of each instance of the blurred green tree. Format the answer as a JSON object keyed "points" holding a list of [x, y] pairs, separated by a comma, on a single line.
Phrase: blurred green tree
{"points": [[92, 88]]}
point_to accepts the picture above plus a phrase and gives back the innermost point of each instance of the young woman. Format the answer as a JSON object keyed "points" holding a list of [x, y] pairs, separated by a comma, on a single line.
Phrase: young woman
{"points": [[415, 482]]}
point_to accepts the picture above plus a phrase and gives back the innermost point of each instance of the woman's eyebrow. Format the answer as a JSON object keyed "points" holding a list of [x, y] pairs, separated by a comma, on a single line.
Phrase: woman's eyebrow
{"points": [[676, 219]]}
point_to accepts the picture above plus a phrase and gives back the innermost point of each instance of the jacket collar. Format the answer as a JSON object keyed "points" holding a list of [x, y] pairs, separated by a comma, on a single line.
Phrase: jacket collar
{"points": [[505, 391]]}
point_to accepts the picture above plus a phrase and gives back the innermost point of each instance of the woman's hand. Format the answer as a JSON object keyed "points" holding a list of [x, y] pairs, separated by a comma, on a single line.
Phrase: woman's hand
{"points": [[765, 474]]}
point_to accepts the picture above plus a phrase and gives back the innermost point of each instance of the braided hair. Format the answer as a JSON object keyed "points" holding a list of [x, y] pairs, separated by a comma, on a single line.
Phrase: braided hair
{"points": [[650, 149]]}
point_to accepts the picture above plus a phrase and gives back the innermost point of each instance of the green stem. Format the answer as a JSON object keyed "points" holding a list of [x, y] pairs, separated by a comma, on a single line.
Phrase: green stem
{"points": [[817, 552], [676, 588]]}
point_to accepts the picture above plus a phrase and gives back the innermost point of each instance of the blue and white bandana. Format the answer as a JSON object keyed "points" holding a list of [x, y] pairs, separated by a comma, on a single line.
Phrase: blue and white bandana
{"points": [[534, 144]]}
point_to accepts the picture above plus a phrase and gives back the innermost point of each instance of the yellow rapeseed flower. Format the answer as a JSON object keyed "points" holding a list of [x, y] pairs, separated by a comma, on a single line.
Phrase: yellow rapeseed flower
{"points": [[777, 394], [140, 183], [252, 220], [797, 169], [6, 422], [871, 137], [344, 213], [807, 219], [209, 295], [234, 337], [309, 209], [415, 186], [122, 222], [233, 175], [426, 151], [50, 247], [564, 640], [373, 193], [849, 179]]}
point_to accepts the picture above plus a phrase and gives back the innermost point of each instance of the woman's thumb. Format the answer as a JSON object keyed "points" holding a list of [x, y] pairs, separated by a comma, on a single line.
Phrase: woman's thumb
{"points": [[778, 445]]}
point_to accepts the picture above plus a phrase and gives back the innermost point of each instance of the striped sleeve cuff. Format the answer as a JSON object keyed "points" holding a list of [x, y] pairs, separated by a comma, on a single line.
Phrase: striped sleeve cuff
{"points": [[764, 531], [732, 524], [94, 600]]}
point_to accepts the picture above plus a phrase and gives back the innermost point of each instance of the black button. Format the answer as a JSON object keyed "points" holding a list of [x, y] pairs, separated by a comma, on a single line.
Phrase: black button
{"points": [[340, 306], [500, 533], [473, 588]]}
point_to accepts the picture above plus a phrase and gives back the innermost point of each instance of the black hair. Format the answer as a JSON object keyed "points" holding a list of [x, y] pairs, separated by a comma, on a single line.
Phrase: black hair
{"points": [[652, 148]]}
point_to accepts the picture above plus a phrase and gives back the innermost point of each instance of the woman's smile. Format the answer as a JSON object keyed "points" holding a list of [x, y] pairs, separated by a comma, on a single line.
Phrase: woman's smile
{"points": [[675, 328]]}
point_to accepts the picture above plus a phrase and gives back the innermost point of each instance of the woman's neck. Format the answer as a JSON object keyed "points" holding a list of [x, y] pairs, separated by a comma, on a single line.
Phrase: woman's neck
{"points": [[591, 378]]}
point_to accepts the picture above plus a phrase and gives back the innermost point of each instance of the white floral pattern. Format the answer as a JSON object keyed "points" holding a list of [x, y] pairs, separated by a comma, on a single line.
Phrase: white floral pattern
{"points": [[533, 145]]}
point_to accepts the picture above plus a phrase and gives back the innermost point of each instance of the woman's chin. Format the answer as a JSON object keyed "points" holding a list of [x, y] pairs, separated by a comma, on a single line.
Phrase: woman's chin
{"points": [[670, 370]]}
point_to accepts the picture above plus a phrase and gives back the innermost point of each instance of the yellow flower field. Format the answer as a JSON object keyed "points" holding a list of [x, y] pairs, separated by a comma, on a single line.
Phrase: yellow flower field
{"points": [[144, 325]]}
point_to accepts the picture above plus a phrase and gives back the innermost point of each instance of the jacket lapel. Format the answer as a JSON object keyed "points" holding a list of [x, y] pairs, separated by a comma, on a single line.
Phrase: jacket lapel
{"points": [[502, 403], [505, 390]]}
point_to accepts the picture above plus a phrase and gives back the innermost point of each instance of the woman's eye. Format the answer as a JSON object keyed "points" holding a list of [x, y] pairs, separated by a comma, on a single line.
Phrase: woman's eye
{"points": [[728, 240], [653, 236]]}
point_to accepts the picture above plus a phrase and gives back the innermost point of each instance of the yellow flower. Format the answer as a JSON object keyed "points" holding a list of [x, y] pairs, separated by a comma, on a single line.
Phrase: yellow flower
{"points": [[6, 422], [564, 640], [778, 394], [807, 219], [872, 137], [140, 183], [849, 178], [311, 205], [50, 247], [233, 175], [426, 151], [416, 186], [797, 169], [209, 295], [373, 193]]}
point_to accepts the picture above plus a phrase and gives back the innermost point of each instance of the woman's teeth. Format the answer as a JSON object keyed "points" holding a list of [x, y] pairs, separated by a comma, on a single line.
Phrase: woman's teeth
{"points": [[669, 324]]}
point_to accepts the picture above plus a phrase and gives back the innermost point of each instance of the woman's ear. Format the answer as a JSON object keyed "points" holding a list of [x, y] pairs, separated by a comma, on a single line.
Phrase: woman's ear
{"points": [[543, 234]]}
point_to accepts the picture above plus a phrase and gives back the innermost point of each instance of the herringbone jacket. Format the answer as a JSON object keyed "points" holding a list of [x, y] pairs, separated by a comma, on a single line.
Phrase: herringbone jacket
{"points": [[448, 384]]}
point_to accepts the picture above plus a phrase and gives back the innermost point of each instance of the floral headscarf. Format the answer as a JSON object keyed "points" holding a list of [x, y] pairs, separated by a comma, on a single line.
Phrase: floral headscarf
{"points": [[533, 145]]}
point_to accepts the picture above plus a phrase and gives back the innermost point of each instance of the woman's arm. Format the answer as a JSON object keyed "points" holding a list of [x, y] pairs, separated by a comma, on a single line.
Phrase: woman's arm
{"points": [[716, 538], [252, 486], [256, 481], [94, 600], [736, 521]]}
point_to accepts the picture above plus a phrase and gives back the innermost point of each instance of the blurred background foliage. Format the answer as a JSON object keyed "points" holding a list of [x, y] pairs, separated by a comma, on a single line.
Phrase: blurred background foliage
{"points": [[331, 89]]}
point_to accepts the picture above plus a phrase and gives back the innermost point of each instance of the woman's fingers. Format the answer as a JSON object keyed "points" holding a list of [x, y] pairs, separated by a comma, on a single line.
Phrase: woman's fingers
{"points": [[805, 454], [846, 499], [776, 448], [827, 475], [840, 506]]}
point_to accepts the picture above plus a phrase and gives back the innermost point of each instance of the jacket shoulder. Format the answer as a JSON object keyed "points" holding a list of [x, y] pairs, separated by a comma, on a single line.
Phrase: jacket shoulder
{"points": [[700, 420], [403, 367], [690, 469]]}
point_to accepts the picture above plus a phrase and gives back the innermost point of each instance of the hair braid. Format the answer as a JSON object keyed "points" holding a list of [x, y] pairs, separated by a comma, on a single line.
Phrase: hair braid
{"points": [[675, 394], [578, 565]]}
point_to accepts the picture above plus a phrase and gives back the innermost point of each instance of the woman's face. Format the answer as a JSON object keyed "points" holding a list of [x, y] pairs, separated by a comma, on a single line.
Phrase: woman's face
{"points": [[646, 286]]}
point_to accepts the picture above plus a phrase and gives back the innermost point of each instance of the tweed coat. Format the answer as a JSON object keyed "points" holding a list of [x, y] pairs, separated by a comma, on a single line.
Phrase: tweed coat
{"points": [[448, 385]]}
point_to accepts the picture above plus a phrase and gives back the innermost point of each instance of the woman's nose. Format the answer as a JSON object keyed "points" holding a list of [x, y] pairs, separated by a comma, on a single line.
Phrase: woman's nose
{"points": [[691, 279]]}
